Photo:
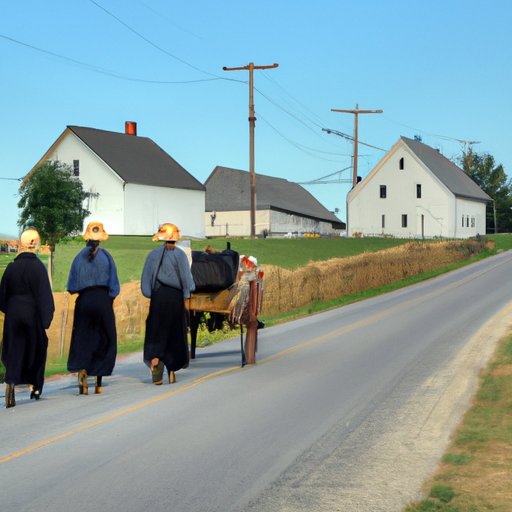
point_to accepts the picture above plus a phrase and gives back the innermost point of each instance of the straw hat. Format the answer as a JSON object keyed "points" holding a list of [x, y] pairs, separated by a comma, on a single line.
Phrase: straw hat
{"points": [[95, 231], [30, 238], [168, 232]]}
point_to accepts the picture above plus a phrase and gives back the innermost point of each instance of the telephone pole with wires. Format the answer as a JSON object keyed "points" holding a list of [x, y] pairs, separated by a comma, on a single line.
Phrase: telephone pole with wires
{"points": [[252, 123], [356, 113]]}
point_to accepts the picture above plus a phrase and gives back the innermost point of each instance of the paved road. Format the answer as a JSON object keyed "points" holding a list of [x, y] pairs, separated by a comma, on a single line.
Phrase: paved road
{"points": [[345, 410]]}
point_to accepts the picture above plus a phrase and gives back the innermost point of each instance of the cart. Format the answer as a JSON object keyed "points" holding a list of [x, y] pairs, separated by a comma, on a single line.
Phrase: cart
{"points": [[241, 302]]}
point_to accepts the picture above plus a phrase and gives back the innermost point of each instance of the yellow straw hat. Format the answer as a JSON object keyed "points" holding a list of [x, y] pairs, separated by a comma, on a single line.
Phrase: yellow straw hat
{"points": [[95, 231], [168, 232]]}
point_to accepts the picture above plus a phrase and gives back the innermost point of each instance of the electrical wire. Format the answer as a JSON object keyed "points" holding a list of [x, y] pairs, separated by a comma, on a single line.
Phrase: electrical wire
{"points": [[294, 144], [100, 70]]}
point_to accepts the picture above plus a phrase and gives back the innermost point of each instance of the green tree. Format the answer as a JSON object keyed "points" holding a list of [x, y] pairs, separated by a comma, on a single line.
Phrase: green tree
{"points": [[492, 179], [52, 201]]}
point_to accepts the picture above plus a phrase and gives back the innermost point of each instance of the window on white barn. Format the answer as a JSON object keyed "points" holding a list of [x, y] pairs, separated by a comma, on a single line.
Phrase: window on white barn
{"points": [[467, 221], [473, 223], [383, 220], [418, 190], [401, 164], [404, 220], [463, 221], [76, 167], [383, 191]]}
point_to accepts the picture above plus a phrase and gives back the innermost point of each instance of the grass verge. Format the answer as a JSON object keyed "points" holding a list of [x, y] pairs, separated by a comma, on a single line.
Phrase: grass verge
{"points": [[476, 471]]}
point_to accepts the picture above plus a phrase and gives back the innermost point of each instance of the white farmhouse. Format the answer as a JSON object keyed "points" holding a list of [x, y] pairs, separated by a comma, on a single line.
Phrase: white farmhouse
{"points": [[416, 192], [136, 185], [282, 207]]}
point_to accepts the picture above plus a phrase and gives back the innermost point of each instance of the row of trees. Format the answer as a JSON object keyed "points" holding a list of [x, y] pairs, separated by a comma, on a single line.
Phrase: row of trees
{"points": [[492, 179]]}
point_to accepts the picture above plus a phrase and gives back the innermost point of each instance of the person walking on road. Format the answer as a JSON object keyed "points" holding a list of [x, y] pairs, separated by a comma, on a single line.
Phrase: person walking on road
{"points": [[167, 281], [26, 299], [93, 275]]}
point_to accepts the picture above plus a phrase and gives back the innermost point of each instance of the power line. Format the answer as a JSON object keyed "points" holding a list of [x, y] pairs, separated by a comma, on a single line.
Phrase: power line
{"points": [[103, 71], [322, 180], [300, 147]]}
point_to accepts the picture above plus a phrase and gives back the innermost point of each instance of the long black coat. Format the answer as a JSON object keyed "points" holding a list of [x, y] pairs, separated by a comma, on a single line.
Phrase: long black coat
{"points": [[26, 299]]}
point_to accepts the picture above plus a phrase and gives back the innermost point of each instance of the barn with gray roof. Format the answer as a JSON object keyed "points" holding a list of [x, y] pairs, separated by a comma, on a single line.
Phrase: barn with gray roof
{"points": [[282, 207], [135, 184], [416, 192]]}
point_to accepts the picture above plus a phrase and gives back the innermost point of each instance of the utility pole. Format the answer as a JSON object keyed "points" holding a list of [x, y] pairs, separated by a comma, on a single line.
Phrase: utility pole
{"points": [[356, 113], [252, 123]]}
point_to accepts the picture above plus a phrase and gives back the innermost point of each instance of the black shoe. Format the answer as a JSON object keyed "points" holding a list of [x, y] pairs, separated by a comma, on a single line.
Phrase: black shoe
{"points": [[35, 394], [98, 388], [10, 400]]}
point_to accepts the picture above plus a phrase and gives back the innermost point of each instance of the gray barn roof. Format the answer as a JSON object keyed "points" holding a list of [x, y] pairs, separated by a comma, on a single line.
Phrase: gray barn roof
{"points": [[137, 159], [453, 177], [229, 190]]}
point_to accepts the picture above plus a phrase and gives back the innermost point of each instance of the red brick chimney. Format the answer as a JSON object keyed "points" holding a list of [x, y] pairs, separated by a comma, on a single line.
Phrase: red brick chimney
{"points": [[130, 128]]}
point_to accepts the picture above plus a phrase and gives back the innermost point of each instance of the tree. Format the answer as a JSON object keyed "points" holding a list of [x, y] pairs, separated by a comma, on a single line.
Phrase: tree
{"points": [[492, 179], [52, 202]]}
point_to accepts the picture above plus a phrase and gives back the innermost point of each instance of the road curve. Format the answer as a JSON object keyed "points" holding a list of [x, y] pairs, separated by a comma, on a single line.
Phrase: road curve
{"points": [[344, 410]]}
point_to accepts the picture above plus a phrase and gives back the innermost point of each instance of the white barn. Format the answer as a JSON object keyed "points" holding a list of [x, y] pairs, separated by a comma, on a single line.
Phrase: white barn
{"points": [[416, 192], [282, 207], [136, 185]]}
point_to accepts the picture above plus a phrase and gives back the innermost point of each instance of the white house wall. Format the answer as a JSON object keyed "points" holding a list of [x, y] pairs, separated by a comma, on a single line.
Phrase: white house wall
{"points": [[238, 223], [469, 218], [148, 207], [437, 213], [98, 178]]}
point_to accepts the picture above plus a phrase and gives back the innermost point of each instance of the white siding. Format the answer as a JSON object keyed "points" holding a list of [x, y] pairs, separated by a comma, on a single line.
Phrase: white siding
{"points": [[98, 178], [148, 207], [437, 213]]}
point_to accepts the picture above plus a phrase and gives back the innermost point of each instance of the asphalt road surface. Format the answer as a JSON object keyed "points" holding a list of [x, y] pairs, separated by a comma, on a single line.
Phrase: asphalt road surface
{"points": [[348, 410]]}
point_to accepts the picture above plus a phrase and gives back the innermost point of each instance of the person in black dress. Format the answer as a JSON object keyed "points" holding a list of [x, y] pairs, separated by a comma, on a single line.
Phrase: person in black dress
{"points": [[26, 299], [93, 275], [167, 281]]}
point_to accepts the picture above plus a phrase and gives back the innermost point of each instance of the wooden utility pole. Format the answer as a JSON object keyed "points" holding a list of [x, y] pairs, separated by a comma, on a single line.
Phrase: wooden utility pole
{"points": [[356, 113], [252, 123]]}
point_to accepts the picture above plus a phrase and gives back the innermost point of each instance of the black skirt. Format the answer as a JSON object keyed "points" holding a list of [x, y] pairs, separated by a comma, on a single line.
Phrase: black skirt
{"points": [[94, 338], [25, 343], [166, 329]]}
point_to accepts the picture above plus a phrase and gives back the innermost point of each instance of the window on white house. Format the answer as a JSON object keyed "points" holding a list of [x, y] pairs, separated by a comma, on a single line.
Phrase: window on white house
{"points": [[467, 221], [401, 164], [473, 223], [418, 190], [404, 220], [383, 191], [76, 167], [383, 221], [463, 221]]}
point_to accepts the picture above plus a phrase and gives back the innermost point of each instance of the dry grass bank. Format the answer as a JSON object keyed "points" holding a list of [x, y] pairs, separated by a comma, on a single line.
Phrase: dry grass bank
{"points": [[286, 290]]}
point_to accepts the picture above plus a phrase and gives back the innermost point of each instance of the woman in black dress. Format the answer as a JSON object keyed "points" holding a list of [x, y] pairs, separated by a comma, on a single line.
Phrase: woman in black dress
{"points": [[167, 281], [93, 275], [26, 299]]}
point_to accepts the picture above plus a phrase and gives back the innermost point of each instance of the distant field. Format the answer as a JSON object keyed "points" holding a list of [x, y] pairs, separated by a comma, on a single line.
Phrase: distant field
{"points": [[129, 252]]}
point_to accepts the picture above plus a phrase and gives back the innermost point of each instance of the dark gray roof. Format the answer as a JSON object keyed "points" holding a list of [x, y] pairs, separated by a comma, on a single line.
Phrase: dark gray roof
{"points": [[137, 159], [229, 190], [446, 171]]}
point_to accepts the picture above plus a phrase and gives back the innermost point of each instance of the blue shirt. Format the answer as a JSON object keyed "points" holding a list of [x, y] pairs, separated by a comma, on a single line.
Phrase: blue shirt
{"points": [[174, 271], [100, 271]]}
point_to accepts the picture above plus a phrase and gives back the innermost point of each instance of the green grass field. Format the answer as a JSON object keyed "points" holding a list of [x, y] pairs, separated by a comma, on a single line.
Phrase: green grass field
{"points": [[129, 252]]}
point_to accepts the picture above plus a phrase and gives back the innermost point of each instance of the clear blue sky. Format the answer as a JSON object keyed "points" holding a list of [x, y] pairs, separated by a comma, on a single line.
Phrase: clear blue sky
{"points": [[439, 69]]}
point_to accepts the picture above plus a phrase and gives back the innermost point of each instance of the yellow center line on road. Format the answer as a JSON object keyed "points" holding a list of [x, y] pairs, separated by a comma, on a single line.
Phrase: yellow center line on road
{"points": [[314, 341]]}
